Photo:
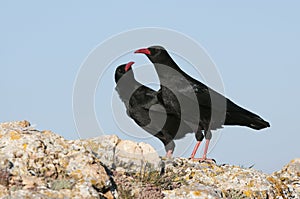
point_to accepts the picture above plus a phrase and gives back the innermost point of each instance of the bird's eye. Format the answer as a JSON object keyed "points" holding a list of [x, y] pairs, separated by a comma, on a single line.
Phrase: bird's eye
{"points": [[155, 52]]}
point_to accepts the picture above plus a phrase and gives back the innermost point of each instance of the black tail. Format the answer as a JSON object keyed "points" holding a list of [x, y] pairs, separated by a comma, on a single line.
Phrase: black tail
{"points": [[252, 121], [236, 115], [257, 123]]}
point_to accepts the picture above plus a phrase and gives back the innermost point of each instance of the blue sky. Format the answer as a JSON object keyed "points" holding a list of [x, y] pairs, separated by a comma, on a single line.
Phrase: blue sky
{"points": [[255, 46]]}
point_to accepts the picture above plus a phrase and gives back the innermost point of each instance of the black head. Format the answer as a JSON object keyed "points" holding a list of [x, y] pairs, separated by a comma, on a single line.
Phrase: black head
{"points": [[122, 70], [156, 54]]}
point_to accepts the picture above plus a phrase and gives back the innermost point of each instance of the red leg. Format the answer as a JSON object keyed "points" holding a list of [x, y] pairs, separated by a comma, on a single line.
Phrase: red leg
{"points": [[205, 149], [169, 154], [204, 158], [195, 149]]}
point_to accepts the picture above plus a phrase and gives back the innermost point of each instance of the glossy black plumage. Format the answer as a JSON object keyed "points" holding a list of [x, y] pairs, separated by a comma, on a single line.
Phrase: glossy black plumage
{"points": [[215, 110], [145, 107]]}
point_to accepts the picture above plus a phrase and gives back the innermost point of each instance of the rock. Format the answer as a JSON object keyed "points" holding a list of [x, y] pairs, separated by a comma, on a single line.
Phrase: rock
{"points": [[11, 125], [42, 164], [192, 191], [123, 154], [206, 180], [290, 175], [104, 147], [134, 157]]}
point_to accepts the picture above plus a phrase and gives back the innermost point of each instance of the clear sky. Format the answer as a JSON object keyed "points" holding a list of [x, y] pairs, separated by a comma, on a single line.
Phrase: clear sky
{"points": [[255, 46]]}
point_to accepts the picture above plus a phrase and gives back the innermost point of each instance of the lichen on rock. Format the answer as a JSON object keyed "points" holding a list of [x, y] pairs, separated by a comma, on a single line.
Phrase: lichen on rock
{"points": [[42, 164]]}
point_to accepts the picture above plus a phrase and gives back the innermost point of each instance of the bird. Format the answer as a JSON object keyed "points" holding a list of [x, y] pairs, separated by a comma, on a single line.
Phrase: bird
{"points": [[215, 110], [145, 107]]}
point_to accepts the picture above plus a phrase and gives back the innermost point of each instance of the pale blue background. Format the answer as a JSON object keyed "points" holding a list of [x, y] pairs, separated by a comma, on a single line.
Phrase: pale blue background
{"points": [[255, 45]]}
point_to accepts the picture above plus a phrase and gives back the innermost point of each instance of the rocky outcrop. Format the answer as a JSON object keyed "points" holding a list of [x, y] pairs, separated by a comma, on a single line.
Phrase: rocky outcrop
{"points": [[42, 164], [227, 181], [123, 155]]}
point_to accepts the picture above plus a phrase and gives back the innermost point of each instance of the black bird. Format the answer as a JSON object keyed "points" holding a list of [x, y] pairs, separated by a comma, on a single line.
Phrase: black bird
{"points": [[215, 110], [144, 106]]}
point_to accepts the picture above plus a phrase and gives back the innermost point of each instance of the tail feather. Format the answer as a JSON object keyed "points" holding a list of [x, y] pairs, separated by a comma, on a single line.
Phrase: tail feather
{"points": [[251, 121], [239, 116], [258, 123]]}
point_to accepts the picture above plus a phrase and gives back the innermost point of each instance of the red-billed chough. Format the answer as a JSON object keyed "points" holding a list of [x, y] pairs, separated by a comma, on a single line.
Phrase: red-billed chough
{"points": [[144, 106], [215, 110]]}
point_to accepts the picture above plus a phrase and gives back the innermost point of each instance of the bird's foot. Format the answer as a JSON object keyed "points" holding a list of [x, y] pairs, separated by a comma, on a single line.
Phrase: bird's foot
{"points": [[204, 160], [169, 155]]}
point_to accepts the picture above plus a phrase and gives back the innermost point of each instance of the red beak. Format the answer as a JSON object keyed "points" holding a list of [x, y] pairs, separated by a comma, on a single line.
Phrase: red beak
{"points": [[144, 51], [128, 66]]}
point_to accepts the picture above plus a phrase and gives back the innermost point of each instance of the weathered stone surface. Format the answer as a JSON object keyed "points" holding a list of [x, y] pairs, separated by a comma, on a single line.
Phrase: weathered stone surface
{"points": [[104, 147], [206, 180], [36, 164], [290, 175], [42, 164], [142, 156], [123, 154]]}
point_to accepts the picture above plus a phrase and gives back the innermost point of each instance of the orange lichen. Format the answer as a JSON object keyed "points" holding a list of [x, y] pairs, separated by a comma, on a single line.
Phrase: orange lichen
{"points": [[77, 174], [24, 123], [197, 193], [14, 135], [251, 183], [93, 181], [277, 184], [248, 193], [47, 132], [24, 146]]}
